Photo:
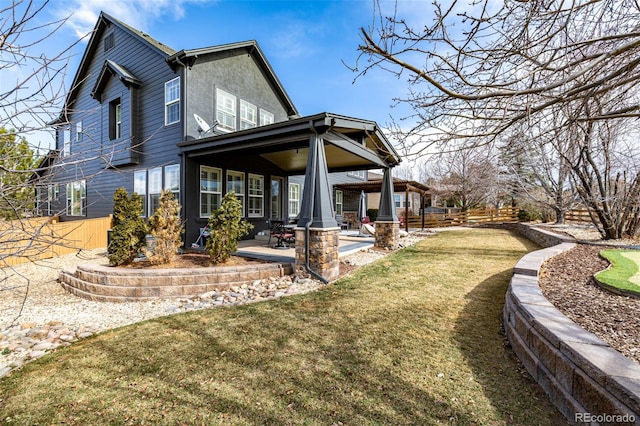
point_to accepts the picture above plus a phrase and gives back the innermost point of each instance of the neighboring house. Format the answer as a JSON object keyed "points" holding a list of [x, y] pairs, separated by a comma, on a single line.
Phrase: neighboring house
{"points": [[201, 123]]}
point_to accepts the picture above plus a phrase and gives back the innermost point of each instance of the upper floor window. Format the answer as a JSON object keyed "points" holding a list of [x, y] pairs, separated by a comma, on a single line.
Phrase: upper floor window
{"points": [[78, 131], [225, 110], [266, 117], [248, 115], [66, 141], [115, 119], [172, 101]]}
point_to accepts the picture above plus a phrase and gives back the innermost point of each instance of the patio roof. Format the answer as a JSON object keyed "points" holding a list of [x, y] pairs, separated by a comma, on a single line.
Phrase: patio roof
{"points": [[350, 143], [376, 184]]}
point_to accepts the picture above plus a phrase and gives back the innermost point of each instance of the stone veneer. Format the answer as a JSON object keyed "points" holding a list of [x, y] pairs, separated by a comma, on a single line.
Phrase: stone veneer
{"points": [[387, 234], [323, 252], [579, 372], [113, 284]]}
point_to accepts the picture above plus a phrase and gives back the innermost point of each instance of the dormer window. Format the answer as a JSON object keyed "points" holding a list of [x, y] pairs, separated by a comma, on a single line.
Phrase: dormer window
{"points": [[115, 119], [172, 101]]}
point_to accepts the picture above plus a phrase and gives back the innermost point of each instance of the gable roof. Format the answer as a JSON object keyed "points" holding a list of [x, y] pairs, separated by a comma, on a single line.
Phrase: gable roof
{"points": [[104, 22], [189, 58], [109, 69]]}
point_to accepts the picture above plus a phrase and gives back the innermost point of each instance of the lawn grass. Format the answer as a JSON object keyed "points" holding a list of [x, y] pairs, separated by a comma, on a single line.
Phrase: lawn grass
{"points": [[414, 338], [623, 274]]}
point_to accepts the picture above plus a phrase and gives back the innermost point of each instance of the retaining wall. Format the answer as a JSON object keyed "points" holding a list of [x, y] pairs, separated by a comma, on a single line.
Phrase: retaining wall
{"points": [[587, 380], [111, 284]]}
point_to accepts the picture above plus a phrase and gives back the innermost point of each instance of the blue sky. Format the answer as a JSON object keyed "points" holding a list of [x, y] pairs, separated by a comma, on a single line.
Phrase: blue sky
{"points": [[306, 42]]}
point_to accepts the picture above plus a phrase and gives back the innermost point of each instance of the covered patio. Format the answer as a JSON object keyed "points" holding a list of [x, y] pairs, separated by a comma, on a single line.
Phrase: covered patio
{"points": [[314, 145]]}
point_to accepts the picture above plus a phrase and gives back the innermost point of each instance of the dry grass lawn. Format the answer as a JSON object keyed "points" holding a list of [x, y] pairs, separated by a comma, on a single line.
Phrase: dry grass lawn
{"points": [[413, 339]]}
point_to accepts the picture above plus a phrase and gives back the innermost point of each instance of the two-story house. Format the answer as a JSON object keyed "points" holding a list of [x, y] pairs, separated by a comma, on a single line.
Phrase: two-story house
{"points": [[201, 122]]}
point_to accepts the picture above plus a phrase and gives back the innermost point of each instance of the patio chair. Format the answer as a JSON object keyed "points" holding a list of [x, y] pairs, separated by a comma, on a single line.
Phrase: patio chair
{"points": [[284, 237]]}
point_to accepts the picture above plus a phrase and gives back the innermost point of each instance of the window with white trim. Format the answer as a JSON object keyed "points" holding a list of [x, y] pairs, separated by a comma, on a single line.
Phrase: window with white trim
{"points": [[115, 119], [266, 117], [78, 131], [225, 110], [77, 198], [338, 202], [256, 195], [235, 183], [172, 179], [210, 190], [294, 199], [172, 101], [66, 141], [362, 174], [155, 189], [140, 188], [248, 115]]}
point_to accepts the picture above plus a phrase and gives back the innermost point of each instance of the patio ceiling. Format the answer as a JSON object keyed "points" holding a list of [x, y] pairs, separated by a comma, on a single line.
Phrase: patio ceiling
{"points": [[350, 143]]}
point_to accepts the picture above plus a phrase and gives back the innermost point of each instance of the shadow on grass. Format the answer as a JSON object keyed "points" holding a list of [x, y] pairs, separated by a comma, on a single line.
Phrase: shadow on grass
{"points": [[396, 343]]}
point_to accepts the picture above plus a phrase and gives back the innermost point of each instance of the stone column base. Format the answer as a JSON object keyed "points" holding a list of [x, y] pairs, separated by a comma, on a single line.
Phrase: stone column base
{"points": [[323, 252], [387, 234]]}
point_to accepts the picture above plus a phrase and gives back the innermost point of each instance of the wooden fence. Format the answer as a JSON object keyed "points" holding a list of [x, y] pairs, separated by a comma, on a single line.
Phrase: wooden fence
{"points": [[578, 215], [438, 220], [43, 238]]}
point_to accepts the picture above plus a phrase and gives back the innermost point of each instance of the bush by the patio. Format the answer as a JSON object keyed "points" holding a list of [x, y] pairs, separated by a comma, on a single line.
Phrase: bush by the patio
{"points": [[128, 230], [166, 226], [226, 228]]}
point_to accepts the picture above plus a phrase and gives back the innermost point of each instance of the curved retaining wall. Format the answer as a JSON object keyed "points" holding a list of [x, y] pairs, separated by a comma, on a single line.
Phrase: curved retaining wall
{"points": [[111, 284], [587, 380]]}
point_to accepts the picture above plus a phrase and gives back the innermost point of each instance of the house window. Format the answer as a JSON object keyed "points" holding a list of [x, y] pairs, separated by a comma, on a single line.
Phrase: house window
{"points": [[396, 199], [172, 179], [78, 131], [266, 117], [225, 110], [294, 199], [248, 115], [140, 188], [115, 119], [256, 195], [235, 183], [66, 142], [210, 190], [338, 202], [109, 42], [172, 101], [358, 173], [77, 198], [155, 188]]}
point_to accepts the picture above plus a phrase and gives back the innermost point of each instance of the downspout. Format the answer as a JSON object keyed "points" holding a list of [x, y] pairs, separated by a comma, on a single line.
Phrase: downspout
{"points": [[307, 226]]}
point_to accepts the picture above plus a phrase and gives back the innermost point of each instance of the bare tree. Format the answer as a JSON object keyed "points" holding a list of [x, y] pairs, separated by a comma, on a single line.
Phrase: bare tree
{"points": [[481, 70], [468, 178]]}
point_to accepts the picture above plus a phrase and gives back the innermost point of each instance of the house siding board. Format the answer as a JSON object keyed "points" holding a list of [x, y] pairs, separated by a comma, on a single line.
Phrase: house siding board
{"points": [[234, 72], [153, 143]]}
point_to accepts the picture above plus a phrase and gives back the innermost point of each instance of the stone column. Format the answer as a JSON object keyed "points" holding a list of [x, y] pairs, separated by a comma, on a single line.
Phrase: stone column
{"points": [[387, 234], [323, 252]]}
